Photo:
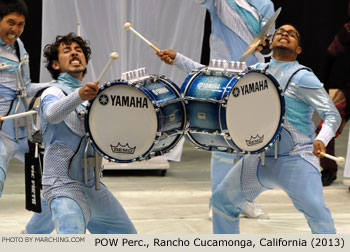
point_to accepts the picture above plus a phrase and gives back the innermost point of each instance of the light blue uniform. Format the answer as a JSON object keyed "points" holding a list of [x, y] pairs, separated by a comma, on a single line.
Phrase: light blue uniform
{"points": [[234, 24], [75, 206], [232, 30], [10, 146], [296, 170]]}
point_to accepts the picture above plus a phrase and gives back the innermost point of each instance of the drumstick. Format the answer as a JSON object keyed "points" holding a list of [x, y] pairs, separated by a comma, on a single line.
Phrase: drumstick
{"points": [[127, 26], [18, 115], [338, 160], [112, 56]]}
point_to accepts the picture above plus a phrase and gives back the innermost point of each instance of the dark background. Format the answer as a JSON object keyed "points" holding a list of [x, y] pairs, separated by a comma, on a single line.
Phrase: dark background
{"points": [[318, 22]]}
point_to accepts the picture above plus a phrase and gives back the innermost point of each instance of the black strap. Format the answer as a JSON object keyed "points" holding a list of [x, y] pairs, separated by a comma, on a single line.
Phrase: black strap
{"points": [[17, 51], [33, 173]]}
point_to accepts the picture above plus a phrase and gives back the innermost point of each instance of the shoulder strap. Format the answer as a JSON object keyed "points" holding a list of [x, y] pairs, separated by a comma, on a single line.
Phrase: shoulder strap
{"points": [[288, 75]]}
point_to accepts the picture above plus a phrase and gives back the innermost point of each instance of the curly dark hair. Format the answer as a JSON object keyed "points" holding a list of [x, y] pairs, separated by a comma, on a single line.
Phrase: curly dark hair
{"points": [[51, 51], [9, 6]]}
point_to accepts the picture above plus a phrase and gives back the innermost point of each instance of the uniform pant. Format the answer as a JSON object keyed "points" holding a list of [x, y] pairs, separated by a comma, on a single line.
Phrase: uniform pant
{"points": [[10, 148], [107, 214], [297, 177], [41, 223]]}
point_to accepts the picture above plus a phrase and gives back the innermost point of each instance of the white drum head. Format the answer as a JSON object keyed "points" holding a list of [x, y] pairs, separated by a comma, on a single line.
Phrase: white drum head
{"points": [[253, 111], [122, 122]]}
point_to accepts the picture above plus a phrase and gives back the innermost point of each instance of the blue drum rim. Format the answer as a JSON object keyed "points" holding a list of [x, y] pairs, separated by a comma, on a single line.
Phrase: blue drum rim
{"points": [[148, 153]]}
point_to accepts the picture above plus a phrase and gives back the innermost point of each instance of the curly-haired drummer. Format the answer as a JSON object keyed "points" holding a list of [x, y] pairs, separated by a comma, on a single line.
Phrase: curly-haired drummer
{"points": [[75, 205]]}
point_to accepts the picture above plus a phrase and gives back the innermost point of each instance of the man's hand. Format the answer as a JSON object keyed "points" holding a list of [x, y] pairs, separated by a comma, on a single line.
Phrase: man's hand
{"points": [[264, 44], [319, 147], [168, 56], [88, 91]]}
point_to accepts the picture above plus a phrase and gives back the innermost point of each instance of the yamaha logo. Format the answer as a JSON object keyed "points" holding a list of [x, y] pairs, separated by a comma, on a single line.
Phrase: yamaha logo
{"points": [[103, 99], [235, 92]]}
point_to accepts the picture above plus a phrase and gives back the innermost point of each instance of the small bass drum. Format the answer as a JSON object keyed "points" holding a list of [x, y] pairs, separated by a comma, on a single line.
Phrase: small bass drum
{"points": [[130, 122]]}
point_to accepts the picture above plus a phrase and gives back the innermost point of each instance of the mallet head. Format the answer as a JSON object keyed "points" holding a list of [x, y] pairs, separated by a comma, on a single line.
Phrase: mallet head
{"points": [[127, 26], [114, 55], [340, 161]]}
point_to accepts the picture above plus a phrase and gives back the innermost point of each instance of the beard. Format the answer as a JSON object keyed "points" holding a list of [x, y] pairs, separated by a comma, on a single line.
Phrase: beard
{"points": [[78, 71]]}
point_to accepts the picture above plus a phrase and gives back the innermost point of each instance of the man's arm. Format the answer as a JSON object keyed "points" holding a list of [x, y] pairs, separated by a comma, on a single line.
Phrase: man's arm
{"points": [[180, 61]]}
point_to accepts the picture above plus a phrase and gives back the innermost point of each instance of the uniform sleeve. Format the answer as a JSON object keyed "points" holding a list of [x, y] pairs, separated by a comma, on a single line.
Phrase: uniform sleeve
{"points": [[56, 106], [320, 101], [186, 64]]}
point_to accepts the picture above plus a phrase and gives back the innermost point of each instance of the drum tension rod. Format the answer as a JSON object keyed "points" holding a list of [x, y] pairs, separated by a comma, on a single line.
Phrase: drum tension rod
{"points": [[262, 157], [276, 148]]}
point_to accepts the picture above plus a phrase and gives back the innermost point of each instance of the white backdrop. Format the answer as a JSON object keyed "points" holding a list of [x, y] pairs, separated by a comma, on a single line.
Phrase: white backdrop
{"points": [[175, 24]]}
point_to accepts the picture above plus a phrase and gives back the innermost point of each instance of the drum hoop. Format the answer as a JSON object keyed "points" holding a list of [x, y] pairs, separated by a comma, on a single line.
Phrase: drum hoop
{"points": [[201, 71], [228, 89], [281, 119]]}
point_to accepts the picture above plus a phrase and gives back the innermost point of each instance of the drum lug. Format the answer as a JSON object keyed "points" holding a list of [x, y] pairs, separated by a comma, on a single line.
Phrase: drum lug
{"points": [[227, 74]]}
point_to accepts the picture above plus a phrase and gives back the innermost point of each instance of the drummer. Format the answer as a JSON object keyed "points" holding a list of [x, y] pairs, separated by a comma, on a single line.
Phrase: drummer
{"points": [[75, 206], [296, 170], [12, 22], [15, 83]]}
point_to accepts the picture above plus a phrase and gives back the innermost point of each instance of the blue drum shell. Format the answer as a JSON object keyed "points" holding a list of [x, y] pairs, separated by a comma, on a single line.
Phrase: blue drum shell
{"points": [[203, 114], [171, 114]]}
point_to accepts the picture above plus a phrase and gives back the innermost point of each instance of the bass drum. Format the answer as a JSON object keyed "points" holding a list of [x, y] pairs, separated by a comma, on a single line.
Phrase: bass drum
{"points": [[233, 112], [130, 122]]}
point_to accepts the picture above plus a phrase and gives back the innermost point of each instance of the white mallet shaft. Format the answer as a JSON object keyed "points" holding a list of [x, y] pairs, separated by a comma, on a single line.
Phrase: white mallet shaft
{"points": [[112, 56], [338, 160], [78, 29], [127, 26], [19, 115]]}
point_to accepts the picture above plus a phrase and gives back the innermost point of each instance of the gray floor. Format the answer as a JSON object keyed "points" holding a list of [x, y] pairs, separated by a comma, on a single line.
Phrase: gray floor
{"points": [[178, 202]]}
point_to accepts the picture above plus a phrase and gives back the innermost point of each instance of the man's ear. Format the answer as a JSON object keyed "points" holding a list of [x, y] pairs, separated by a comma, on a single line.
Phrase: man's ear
{"points": [[299, 50], [55, 65]]}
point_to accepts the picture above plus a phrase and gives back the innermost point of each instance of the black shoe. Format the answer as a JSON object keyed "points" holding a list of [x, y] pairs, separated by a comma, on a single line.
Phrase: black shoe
{"points": [[328, 177]]}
